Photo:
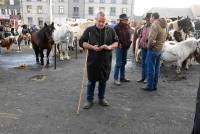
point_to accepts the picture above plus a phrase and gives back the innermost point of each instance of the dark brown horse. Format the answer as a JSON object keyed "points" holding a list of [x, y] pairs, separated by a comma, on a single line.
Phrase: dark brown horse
{"points": [[43, 40]]}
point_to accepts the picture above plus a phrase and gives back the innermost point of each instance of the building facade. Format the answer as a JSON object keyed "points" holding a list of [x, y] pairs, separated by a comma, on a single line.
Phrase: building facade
{"points": [[76, 8], [112, 8], [38, 11], [35, 12], [10, 11]]}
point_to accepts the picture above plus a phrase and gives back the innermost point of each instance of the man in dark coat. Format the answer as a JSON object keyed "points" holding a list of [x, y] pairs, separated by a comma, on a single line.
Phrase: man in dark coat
{"points": [[100, 40], [196, 128]]}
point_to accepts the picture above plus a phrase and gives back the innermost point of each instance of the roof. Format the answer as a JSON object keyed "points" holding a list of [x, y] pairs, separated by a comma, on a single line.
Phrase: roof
{"points": [[173, 12]]}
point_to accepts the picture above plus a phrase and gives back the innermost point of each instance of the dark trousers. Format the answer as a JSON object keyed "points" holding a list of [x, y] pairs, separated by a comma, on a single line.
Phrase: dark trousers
{"points": [[91, 88], [121, 60], [153, 68], [196, 127]]}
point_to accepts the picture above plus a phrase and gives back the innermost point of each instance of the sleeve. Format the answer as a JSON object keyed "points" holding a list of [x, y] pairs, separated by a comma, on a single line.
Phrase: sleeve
{"points": [[84, 37], [153, 32], [114, 36]]}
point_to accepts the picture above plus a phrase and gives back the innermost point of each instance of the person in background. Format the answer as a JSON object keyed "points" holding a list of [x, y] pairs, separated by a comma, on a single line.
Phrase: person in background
{"points": [[100, 40], [123, 31], [157, 37], [143, 40]]}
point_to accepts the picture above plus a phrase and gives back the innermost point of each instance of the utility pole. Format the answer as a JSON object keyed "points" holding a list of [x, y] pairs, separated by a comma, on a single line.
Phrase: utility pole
{"points": [[21, 11], [50, 11], [132, 8]]}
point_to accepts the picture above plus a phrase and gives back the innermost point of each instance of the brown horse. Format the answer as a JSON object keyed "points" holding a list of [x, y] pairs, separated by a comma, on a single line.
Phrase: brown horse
{"points": [[41, 40], [26, 37], [7, 42]]}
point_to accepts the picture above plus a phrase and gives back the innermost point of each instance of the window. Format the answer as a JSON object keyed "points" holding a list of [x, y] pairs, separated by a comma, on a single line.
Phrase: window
{"points": [[102, 1], [113, 1], [75, 1], [28, 0], [61, 0], [124, 10], [76, 11], [91, 10], [61, 9], [91, 1], [39, 9], [124, 1], [102, 9], [112, 11], [12, 2], [30, 20], [13, 12], [28, 8], [39, 0], [40, 21], [3, 11]]}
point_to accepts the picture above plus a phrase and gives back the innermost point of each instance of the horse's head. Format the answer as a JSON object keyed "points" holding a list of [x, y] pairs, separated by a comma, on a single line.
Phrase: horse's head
{"points": [[186, 25], [48, 31], [197, 52]]}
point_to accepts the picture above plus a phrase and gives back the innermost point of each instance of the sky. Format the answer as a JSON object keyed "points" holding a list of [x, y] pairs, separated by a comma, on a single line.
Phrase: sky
{"points": [[141, 6]]}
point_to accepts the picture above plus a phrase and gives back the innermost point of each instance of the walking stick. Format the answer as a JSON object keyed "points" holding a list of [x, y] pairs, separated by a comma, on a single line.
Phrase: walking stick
{"points": [[82, 84]]}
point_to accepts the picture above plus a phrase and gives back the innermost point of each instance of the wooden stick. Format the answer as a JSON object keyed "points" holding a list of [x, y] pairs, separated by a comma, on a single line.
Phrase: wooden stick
{"points": [[82, 84]]}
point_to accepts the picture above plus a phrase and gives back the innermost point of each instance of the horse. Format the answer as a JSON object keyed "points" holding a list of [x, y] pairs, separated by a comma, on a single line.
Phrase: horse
{"points": [[43, 39], [61, 36], [184, 25], [179, 52], [26, 37], [7, 42]]}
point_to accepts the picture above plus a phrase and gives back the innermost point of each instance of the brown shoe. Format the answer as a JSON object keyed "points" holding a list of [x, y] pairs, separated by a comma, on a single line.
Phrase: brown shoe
{"points": [[104, 103], [88, 105]]}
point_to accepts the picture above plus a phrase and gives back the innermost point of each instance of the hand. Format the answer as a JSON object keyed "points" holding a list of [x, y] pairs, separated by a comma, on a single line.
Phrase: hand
{"points": [[106, 47], [96, 48]]}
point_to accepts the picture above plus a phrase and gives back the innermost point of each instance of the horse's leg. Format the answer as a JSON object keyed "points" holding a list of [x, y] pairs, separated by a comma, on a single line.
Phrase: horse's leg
{"points": [[41, 56], [48, 52], [36, 50], [19, 43], [67, 52]]}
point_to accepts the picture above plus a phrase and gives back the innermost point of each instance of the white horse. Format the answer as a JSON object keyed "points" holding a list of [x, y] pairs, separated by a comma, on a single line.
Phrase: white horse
{"points": [[62, 37], [179, 52]]}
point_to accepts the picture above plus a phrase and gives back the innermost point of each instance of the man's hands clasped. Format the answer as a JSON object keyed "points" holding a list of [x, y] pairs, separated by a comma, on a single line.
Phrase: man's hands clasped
{"points": [[100, 48]]}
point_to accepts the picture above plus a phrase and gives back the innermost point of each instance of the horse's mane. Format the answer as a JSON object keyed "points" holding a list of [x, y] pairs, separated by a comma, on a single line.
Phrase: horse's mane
{"points": [[42, 35]]}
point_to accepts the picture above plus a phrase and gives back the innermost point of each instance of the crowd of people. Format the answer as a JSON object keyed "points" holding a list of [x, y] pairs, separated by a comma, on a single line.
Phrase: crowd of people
{"points": [[101, 39]]}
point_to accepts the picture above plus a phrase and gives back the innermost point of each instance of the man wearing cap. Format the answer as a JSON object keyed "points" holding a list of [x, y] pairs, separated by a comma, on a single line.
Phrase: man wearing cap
{"points": [[100, 40], [143, 40], [123, 30]]}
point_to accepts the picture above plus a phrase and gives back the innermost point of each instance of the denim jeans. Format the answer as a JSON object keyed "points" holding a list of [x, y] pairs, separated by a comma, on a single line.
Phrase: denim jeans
{"points": [[91, 88], [121, 60], [153, 68], [144, 65]]}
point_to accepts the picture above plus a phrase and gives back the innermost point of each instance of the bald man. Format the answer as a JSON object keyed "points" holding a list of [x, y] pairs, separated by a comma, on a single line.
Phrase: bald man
{"points": [[100, 40]]}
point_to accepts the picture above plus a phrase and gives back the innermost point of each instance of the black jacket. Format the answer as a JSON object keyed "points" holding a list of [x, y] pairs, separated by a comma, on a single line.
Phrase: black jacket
{"points": [[196, 128], [99, 63]]}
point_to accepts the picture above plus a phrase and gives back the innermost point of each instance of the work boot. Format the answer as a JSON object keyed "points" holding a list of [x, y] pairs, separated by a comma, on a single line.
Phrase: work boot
{"points": [[124, 80], [88, 105], [103, 102]]}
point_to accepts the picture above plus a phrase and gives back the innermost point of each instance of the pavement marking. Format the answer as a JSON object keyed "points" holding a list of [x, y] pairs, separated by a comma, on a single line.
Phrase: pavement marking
{"points": [[7, 115]]}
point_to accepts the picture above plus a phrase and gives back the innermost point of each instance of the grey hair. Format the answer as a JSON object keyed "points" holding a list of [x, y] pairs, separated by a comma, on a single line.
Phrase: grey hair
{"points": [[102, 14]]}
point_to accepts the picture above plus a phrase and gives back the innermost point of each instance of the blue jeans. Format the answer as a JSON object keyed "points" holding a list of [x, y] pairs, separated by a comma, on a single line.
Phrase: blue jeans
{"points": [[121, 60], [144, 66], [153, 68], [91, 88]]}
